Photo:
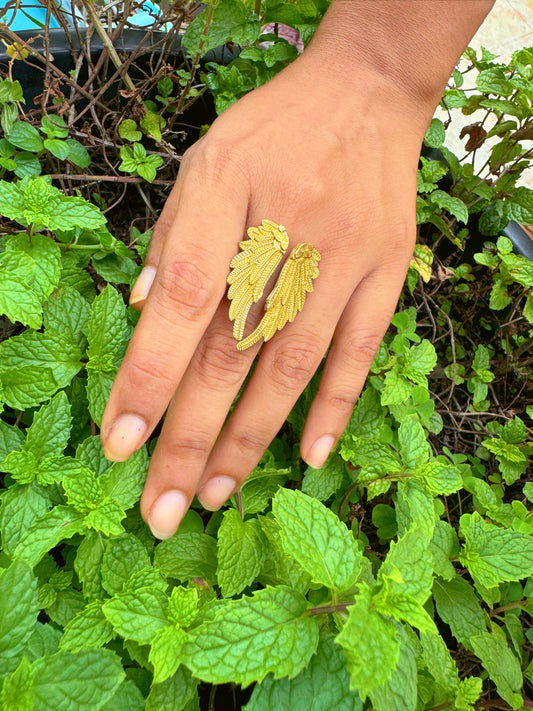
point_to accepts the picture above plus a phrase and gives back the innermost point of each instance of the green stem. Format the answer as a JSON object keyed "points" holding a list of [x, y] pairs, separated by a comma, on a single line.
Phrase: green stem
{"points": [[329, 609], [196, 60], [510, 606]]}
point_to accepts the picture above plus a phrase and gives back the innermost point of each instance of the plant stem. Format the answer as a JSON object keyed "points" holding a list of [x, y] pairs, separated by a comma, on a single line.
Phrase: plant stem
{"points": [[108, 44], [328, 609], [196, 61], [510, 606]]}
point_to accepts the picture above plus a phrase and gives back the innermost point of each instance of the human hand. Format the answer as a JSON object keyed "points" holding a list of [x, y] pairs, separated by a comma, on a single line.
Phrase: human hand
{"points": [[340, 175]]}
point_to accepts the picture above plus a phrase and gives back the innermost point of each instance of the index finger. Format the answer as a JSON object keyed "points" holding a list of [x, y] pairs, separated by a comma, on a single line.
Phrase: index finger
{"points": [[188, 286]]}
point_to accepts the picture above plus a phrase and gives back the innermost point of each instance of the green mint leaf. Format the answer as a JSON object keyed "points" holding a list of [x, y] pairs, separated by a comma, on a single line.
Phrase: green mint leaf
{"points": [[50, 430], [16, 693], [414, 508], [414, 446], [261, 485], [147, 171], [43, 642], [183, 606], [370, 643], [125, 480], [46, 261], [405, 608], [233, 21], [241, 552], [248, 638], [138, 614], [98, 389], [521, 204], [502, 449], [283, 568], [439, 478], [454, 205], [87, 565], [435, 134], [67, 313], [18, 610], [152, 123], [22, 504], [77, 153], [440, 663], [399, 692], [106, 518], [186, 556], [165, 652], [468, 692], [90, 453], [82, 681], [57, 525], [54, 126], [409, 566], [458, 605], [127, 697], [107, 324], [11, 439], [122, 557], [502, 666], [419, 362], [315, 537], [128, 130], [57, 147], [493, 554], [325, 680], [33, 366], [83, 490], [174, 694], [323, 483], [89, 628], [25, 136], [368, 415], [18, 301], [372, 456], [396, 388], [444, 545]]}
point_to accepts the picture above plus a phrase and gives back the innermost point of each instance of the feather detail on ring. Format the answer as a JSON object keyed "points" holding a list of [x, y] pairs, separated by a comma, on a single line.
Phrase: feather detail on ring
{"points": [[288, 296], [252, 268]]}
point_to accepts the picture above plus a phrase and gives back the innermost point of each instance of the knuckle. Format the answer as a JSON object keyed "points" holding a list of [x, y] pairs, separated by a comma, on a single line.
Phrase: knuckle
{"points": [[196, 446], [343, 402], [294, 362], [250, 443], [216, 157], [218, 363], [145, 369], [359, 351], [188, 287]]}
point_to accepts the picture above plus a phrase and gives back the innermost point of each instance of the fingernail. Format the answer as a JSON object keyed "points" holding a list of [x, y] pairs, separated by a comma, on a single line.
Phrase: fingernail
{"points": [[143, 285], [125, 435], [216, 492], [320, 451], [166, 514]]}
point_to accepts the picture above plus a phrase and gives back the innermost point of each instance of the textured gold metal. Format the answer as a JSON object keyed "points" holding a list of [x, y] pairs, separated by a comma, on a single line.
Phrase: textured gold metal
{"points": [[288, 296], [252, 268]]}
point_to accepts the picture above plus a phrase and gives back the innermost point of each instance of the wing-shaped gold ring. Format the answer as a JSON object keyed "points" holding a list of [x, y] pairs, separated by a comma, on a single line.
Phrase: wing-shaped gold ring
{"points": [[251, 270]]}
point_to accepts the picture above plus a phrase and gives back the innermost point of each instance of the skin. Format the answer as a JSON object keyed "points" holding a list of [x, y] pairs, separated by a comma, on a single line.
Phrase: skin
{"points": [[329, 148]]}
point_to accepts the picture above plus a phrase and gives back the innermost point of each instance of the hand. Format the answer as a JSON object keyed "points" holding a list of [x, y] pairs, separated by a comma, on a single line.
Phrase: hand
{"points": [[337, 170]]}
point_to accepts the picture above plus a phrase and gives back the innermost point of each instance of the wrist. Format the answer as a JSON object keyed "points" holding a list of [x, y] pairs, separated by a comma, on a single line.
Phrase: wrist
{"points": [[407, 47]]}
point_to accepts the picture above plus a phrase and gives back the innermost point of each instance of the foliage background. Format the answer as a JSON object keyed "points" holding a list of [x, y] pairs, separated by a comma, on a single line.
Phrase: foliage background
{"points": [[398, 576]]}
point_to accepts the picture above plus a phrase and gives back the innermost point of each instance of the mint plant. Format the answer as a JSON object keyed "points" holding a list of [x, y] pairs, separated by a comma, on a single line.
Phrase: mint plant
{"points": [[398, 577]]}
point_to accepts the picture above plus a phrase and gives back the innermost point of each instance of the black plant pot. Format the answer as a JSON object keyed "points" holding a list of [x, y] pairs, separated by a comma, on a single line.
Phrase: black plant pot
{"points": [[30, 72]]}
